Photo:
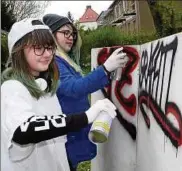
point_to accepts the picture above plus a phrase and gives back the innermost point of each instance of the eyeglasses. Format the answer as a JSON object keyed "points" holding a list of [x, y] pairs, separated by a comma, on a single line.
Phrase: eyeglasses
{"points": [[67, 34], [39, 50]]}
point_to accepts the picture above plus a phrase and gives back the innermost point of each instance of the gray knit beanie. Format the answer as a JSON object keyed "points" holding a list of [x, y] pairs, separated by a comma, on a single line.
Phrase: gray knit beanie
{"points": [[55, 21]]}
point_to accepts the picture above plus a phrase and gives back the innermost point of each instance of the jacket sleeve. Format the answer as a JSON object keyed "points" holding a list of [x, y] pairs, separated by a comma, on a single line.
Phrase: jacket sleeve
{"points": [[24, 126], [41, 128], [76, 86]]}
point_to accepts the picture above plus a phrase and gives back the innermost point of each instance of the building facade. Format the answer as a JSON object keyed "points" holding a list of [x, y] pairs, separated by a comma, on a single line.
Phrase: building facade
{"points": [[88, 19], [130, 16]]}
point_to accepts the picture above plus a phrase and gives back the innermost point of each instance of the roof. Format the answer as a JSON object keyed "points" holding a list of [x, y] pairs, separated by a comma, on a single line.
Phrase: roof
{"points": [[113, 3], [102, 15], [89, 16]]}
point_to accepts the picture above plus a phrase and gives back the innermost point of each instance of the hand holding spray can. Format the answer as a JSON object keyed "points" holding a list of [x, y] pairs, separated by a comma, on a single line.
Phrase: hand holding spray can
{"points": [[100, 129], [116, 74]]}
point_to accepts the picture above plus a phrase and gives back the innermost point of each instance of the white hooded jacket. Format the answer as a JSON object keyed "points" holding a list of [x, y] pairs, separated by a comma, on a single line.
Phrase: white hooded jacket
{"points": [[17, 106]]}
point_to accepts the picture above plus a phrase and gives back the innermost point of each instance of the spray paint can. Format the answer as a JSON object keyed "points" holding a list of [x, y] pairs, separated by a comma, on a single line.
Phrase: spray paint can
{"points": [[100, 129], [116, 74]]}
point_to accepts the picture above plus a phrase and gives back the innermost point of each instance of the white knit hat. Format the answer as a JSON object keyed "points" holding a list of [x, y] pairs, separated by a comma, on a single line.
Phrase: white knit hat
{"points": [[21, 28]]}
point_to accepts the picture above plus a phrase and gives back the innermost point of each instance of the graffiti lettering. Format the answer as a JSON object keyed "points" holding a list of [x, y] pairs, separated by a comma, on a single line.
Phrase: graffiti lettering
{"points": [[130, 103], [155, 72]]}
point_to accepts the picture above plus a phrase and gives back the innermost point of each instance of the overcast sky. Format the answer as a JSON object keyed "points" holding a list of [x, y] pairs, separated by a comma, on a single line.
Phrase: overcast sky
{"points": [[77, 8]]}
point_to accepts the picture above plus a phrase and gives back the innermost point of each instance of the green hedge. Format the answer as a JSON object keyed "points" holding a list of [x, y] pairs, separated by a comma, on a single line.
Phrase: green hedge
{"points": [[109, 36], [4, 50], [167, 17]]}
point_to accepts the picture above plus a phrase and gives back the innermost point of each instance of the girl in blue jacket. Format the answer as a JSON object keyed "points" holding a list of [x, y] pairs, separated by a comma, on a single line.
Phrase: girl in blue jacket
{"points": [[74, 88]]}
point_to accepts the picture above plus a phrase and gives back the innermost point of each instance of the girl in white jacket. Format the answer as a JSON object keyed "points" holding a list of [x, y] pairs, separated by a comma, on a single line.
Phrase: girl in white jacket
{"points": [[32, 124]]}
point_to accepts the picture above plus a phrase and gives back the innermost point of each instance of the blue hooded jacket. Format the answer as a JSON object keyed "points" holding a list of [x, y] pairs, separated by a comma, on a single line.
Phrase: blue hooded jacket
{"points": [[73, 94]]}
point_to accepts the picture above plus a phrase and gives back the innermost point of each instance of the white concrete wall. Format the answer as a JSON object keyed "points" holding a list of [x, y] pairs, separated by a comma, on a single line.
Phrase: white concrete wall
{"points": [[90, 25], [147, 134]]}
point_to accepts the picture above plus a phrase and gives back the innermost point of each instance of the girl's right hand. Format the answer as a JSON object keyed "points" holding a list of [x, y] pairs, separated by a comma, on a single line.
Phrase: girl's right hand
{"points": [[116, 60]]}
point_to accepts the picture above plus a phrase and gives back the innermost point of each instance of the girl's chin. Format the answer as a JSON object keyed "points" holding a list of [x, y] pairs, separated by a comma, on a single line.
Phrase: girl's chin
{"points": [[68, 48], [43, 68]]}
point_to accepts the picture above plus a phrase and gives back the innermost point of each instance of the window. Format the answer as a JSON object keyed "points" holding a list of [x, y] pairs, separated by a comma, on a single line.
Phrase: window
{"points": [[133, 6]]}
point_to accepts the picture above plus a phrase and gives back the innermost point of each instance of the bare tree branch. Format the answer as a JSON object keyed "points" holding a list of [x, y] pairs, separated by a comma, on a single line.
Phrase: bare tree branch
{"points": [[27, 9]]}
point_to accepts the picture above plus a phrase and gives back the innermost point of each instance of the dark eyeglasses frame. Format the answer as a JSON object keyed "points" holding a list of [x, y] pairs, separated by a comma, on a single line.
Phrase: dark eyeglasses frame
{"points": [[73, 34], [48, 49]]}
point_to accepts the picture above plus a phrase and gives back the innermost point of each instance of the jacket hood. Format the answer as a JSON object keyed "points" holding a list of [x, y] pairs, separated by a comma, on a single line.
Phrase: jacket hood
{"points": [[75, 51]]}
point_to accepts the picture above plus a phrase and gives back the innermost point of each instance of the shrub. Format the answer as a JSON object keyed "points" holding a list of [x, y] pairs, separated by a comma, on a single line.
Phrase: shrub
{"points": [[109, 36], [4, 50], [167, 17]]}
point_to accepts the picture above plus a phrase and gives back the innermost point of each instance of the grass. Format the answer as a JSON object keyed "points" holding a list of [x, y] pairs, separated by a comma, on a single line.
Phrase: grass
{"points": [[84, 166]]}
